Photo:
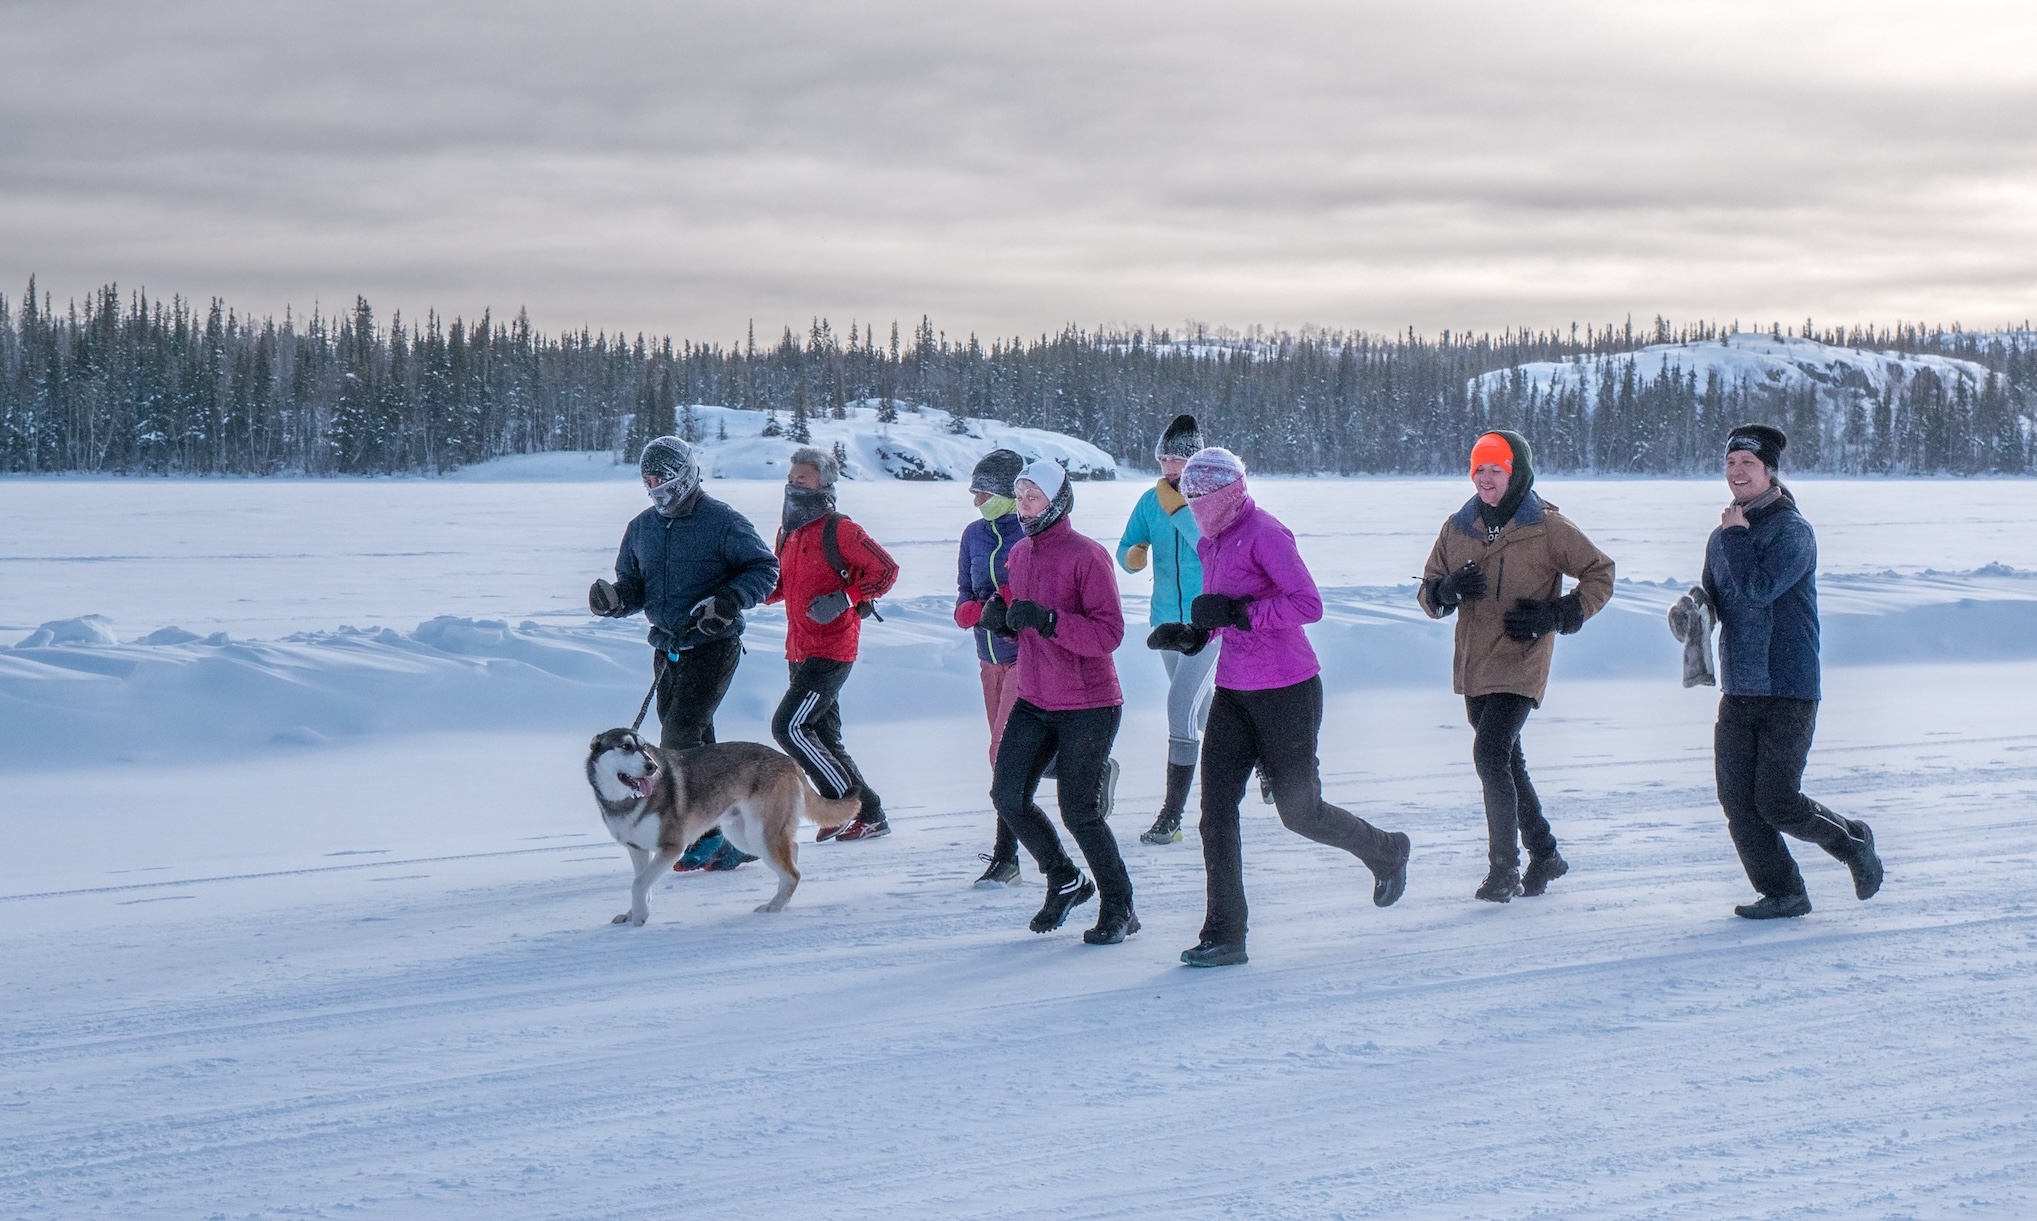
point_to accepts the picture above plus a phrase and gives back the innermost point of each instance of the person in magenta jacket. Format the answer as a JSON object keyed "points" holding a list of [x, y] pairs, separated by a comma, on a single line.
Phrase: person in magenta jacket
{"points": [[1062, 607], [1257, 597]]}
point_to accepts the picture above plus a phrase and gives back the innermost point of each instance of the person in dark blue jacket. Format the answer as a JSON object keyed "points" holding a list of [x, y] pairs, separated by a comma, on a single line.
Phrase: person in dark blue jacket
{"points": [[980, 576], [1761, 576], [693, 565]]}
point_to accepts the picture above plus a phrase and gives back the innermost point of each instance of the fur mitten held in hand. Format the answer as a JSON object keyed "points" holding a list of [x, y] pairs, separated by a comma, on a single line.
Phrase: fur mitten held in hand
{"points": [[1691, 620]]}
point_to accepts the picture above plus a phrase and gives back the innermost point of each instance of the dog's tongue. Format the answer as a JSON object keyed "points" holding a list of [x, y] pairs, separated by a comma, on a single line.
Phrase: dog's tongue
{"points": [[640, 785]]}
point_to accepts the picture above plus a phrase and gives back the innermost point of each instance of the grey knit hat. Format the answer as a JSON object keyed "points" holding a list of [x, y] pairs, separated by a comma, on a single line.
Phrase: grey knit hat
{"points": [[1181, 440]]}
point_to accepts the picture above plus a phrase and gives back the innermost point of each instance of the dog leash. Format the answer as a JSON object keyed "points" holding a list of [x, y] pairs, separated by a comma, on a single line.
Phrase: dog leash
{"points": [[643, 709]]}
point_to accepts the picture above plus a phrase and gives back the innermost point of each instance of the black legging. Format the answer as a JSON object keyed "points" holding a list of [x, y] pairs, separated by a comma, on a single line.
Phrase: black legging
{"points": [[1759, 749], [1082, 737], [1513, 814], [1277, 730]]}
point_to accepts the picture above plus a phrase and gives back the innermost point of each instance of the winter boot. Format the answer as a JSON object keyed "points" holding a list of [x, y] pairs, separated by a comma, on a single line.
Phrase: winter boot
{"points": [[1113, 924], [1000, 873], [1775, 907], [1863, 862], [1541, 871], [1064, 894], [1107, 796], [1214, 954], [1166, 829], [1502, 883], [1388, 886], [703, 850]]}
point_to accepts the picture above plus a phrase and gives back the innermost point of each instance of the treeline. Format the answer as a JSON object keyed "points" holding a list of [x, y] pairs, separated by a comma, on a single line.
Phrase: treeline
{"points": [[132, 384]]}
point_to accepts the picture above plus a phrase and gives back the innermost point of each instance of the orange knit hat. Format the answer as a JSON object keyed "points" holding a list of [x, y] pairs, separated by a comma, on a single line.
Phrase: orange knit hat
{"points": [[1492, 448]]}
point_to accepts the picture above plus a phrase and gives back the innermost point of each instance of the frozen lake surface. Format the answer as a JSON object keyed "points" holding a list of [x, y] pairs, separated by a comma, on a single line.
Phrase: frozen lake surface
{"points": [[313, 922]]}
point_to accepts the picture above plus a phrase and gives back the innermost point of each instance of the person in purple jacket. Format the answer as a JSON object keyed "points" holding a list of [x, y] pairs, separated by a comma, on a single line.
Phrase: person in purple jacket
{"points": [[1062, 606], [1257, 595], [981, 570]]}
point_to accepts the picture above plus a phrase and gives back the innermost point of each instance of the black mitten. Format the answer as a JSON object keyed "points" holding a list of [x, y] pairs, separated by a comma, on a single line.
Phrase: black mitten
{"points": [[1532, 619], [1212, 611], [603, 600], [1025, 614], [714, 613], [1467, 584], [1183, 638], [993, 617]]}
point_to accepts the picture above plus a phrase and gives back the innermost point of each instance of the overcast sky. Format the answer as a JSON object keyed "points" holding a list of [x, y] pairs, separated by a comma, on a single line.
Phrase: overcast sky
{"points": [[686, 167]]}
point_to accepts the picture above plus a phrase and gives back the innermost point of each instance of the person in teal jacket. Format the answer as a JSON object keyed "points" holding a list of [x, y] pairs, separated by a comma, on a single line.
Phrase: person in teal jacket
{"points": [[1162, 534]]}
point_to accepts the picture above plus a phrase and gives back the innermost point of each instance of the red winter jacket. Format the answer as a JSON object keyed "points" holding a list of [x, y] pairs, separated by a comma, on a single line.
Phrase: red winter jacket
{"points": [[804, 574]]}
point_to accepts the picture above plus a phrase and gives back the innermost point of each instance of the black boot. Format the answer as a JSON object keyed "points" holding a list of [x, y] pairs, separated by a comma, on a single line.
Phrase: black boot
{"points": [[1863, 862], [1502, 883], [1775, 907], [1167, 827], [1214, 954], [1114, 923], [1065, 892], [1388, 884], [1000, 872], [1543, 870]]}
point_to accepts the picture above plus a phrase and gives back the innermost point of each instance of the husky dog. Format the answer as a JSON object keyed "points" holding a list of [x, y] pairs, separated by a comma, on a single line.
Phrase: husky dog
{"points": [[656, 802]]}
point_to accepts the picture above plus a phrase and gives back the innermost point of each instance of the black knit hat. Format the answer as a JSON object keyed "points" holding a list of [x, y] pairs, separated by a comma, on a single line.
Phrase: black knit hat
{"points": [[995, 472], [1763, 441], [1181, 440]]}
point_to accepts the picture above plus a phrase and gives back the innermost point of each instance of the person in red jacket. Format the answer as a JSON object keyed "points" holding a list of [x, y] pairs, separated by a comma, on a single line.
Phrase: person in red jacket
{"points": [[824, 610]]}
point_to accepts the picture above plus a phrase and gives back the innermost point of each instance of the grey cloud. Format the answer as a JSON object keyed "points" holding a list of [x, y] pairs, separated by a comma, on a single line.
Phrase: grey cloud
{"points": [[687, 168]]}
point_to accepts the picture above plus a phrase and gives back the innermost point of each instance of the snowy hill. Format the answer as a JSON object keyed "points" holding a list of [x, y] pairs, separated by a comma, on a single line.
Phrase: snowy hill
{"points": [[1761, 363], [923, 445]]}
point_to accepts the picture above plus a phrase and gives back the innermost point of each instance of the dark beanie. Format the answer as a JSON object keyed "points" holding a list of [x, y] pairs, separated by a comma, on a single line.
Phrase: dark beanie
{"points": [[1183, 439], [995, 472], [1761, 440]]}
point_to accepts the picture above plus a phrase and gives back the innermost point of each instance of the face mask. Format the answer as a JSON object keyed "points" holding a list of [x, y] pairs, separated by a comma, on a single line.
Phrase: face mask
{"points": [[671, 496], [996, 507], [806, 505]]}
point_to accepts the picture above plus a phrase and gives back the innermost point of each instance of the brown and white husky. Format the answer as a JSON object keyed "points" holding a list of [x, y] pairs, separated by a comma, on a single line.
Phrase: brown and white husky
{"points": [[656, 802]]}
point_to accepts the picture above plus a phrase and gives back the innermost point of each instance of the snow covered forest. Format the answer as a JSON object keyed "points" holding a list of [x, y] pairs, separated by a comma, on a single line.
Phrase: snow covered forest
{"points": [[131, 384]]}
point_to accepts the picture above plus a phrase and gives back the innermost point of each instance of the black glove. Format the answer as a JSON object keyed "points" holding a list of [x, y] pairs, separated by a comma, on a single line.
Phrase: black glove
{"points": [[1212, 611], [993, 617], [1531, 619], [1024, 614], [1467, 584], [868, 610], [1183, 638], [828, 607], [713, 614], [603, 600]]}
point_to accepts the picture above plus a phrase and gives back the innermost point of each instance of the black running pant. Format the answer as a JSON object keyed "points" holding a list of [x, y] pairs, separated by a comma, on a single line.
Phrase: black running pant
{"points": [[1759, 749], [1513, 814], [690, 689], [1276, 730], [808, 726], [1081, 739]]}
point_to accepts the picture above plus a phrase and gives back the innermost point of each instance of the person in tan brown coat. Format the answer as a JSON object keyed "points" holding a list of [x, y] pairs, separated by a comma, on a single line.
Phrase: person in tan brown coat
{"points": [[1499, 564]]}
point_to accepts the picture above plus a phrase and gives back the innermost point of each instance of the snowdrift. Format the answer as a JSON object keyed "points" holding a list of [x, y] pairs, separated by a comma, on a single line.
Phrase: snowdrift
{"points": [[70, 691]]}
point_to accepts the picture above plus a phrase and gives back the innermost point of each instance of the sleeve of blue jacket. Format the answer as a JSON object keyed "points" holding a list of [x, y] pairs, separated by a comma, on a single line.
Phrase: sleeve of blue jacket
{"points": [[1761, 574], [1137, 531], [629, 575], [753, 570]]}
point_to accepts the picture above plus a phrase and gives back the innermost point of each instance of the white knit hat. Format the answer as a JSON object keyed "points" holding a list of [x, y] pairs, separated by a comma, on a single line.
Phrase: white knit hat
{"points": [[1046, 475]]}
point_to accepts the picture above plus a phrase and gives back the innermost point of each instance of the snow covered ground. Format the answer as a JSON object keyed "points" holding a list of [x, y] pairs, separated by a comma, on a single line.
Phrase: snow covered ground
{"points": [[307, 921]]}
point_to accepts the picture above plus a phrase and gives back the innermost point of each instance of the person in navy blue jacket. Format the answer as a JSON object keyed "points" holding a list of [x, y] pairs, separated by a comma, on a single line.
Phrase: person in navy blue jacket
{"points": [[693, 565], [1761, 576], [980, 576]]}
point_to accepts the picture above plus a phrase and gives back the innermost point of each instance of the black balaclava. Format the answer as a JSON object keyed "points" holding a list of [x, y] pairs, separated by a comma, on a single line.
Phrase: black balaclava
{"points": [[1518, 483], [995, 472]]}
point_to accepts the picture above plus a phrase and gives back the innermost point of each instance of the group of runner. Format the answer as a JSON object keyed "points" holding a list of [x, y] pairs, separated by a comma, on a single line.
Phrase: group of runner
{"points": [[1231, 601]]}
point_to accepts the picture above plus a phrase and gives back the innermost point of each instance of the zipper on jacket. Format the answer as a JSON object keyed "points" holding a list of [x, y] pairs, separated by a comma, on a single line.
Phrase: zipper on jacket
{"points": [[1499, 582]]}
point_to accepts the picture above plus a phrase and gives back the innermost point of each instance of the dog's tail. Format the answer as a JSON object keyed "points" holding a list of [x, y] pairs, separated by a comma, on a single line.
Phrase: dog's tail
{"points": [[827, 812]]}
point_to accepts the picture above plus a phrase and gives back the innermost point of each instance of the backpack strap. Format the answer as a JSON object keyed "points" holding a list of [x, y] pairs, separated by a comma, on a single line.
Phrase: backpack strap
{"points": [[831, 547]]}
